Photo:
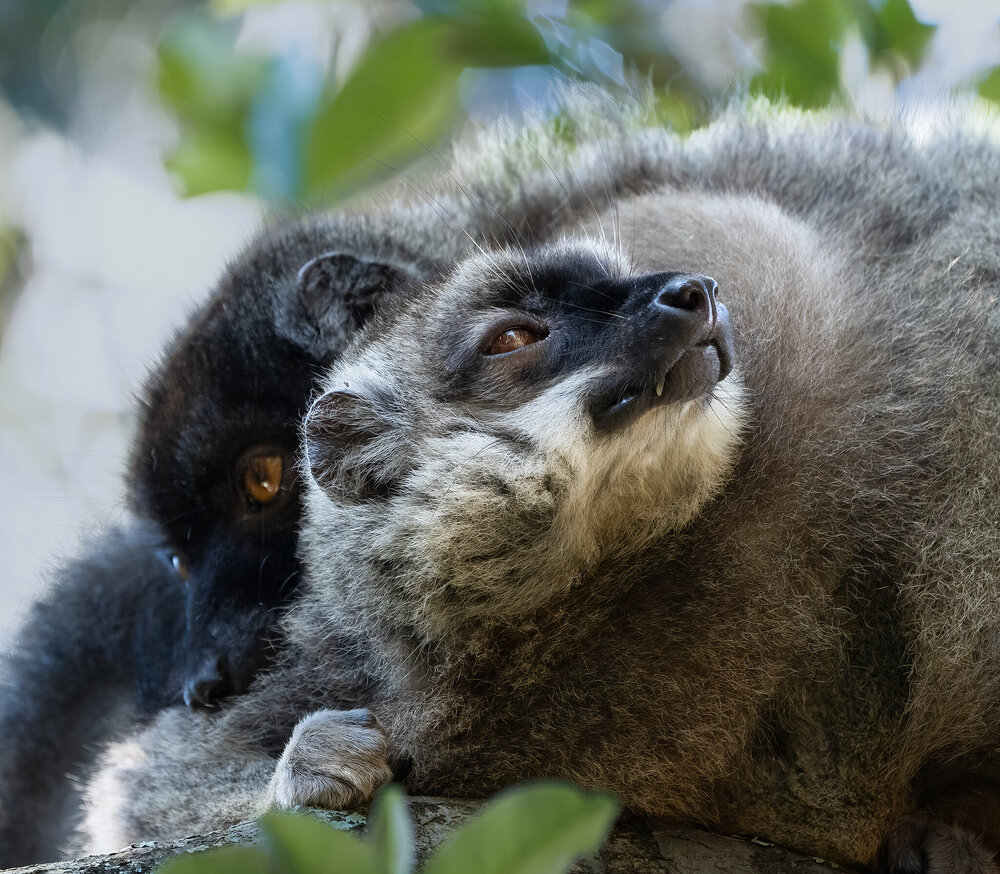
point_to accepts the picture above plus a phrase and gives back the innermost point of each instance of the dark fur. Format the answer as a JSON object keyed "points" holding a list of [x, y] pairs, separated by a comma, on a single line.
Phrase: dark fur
{"points": [[239, 376], [803, 648], [94, 656]]}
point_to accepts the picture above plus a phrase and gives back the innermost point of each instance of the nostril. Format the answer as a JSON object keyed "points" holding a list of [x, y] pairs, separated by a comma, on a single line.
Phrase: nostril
{"points": [[691, 295], [203, 692], [206, 688], [687, 293]]}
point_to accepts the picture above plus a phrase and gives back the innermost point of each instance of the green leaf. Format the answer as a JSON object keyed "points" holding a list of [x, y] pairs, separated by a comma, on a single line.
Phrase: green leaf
{"points": [[221, 860], [990, 86], [211, 89], [803, 41], [301, 844], [390, 831], [495, 33], [534, 829], [234, 7], [399, 102], [402, 98], [210, 160], [901, 33], [201, 78]]}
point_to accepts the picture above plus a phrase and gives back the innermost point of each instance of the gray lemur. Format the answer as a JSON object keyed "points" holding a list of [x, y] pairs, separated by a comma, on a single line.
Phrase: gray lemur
{"points": [[697, 504]]}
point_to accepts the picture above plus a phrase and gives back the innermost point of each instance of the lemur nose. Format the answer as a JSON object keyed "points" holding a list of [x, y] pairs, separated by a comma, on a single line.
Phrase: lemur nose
{"points": [[205, 688], [689, 298], [690, 292]]}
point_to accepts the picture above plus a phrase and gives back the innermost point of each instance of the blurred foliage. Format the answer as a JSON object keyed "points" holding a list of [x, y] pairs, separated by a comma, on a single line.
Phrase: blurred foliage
{"points": [[408, 90], [989, 87], [804, 41], [232, 7], [11, 242], [22, 25], [211, 91], [538, 828], [6, 253], [11, 248], [42, 53], [403, 96], [286, 126], [631, 31], [332, 137]]}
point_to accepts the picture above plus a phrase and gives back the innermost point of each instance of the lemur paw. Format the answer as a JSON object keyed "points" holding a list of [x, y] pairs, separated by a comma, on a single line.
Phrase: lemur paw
{"points": [[920, 844], [334, 759]]}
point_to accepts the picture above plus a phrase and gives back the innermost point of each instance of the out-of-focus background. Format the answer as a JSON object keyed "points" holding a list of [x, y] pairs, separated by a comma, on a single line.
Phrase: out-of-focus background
{"points": [[141, 141]]}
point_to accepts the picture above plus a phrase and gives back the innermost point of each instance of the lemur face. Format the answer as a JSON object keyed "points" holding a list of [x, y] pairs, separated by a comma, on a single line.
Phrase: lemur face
{"points": [[650, 340], [527, 343], [216, 456], [519, 414]]}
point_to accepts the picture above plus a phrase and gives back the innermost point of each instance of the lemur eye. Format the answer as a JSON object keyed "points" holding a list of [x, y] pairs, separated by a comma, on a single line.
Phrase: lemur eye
{"points": [[180, 566], [262, 478], [511, 340]]}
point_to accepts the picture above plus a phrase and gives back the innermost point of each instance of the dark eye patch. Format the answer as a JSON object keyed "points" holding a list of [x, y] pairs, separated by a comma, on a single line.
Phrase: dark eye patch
{"points": [[496, 357]]}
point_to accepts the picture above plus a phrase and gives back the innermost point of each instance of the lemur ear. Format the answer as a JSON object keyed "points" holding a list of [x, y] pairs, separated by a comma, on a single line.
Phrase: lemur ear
{"points": [[336, 293], [355, 284], [343, 435]]}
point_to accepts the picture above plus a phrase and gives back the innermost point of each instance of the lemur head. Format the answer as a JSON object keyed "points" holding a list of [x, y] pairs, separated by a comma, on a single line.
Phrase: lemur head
{"points": [[215, 457], [487, 444]]}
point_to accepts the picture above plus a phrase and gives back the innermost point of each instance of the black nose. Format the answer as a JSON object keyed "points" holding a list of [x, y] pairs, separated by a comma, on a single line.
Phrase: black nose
{"points": [[692, 294], [205, 687]]}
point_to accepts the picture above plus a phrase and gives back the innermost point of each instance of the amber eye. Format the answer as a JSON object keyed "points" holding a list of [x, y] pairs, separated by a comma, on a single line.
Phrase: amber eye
{"points": [[180, 566], [511, 340], [262, 478]]}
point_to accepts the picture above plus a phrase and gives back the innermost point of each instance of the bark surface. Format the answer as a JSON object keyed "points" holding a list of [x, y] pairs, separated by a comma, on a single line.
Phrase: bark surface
{"points": [[635, 846]]}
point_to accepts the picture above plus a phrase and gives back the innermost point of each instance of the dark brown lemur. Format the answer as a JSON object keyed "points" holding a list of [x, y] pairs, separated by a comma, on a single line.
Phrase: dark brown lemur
{"points": [[214, 461], [549, 535]]}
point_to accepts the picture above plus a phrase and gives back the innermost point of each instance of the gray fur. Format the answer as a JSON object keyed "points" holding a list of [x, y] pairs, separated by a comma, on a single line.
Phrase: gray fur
{"points": [[771, 610]]}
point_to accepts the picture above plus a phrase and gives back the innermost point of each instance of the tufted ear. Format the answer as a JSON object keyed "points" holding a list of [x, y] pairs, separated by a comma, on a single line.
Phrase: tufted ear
{"points": [[347, 443], [335, 294]]}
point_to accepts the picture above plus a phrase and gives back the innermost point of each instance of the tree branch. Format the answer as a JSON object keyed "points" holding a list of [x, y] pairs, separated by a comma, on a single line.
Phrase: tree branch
{"points": [[634, 846]]}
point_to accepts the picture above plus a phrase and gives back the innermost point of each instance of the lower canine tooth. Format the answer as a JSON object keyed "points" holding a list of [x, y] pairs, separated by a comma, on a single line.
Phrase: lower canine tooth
{"points": [[659, 384]]}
